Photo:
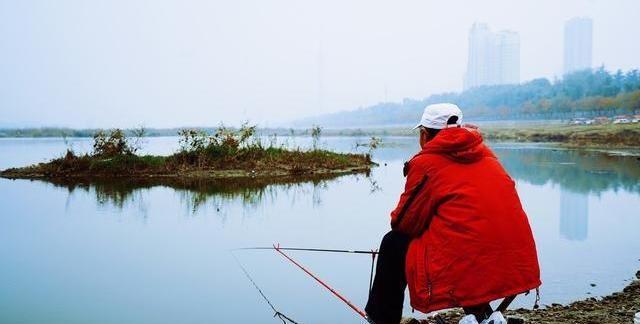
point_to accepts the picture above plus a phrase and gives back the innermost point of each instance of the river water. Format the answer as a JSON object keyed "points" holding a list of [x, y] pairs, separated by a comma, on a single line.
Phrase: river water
{"points": [[119, 253]]}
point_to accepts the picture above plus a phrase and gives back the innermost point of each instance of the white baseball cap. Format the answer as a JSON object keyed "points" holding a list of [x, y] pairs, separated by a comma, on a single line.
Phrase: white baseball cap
{"points": [[436, 116]]}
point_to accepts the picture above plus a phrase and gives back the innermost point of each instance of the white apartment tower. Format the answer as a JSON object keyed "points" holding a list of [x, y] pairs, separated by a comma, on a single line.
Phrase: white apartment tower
{"points": [[508, 52], [578, 36], [494, 58]]}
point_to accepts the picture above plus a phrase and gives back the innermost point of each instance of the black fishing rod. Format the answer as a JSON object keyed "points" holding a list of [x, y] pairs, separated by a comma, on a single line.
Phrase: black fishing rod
{"points": [[371, 252]]}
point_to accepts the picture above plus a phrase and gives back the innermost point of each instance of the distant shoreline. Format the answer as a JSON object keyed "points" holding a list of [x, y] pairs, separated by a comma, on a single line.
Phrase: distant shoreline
{"points": [[606, 135]]}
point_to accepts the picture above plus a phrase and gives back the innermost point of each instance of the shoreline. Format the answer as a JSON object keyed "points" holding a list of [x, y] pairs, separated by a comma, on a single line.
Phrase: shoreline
{"points": [[618, 307], [26, 173]]}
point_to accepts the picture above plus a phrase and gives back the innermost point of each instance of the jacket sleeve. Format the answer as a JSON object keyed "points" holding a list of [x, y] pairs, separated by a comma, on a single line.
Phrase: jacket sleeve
{"points": [[414, 209]]}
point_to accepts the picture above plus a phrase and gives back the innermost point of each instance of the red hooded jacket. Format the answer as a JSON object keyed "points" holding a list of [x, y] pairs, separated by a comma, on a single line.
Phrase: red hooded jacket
{"points": [[471, 240]]}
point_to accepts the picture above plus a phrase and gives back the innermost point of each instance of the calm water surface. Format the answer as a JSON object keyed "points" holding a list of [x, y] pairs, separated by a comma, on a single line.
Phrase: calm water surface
{"points": [[124, 253]]}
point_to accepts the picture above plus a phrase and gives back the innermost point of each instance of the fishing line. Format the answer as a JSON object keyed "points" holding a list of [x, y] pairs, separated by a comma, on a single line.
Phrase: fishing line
{"points": [[333, 291], [280, 250], [373, 254], [276, 313]]}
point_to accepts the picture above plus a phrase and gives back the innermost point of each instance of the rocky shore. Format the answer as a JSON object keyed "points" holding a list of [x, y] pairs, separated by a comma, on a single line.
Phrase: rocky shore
{"points": [[616, 308]]}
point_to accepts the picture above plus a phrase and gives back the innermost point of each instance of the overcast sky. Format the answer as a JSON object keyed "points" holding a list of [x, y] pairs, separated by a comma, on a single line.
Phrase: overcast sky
{"points": [[196, 63]]}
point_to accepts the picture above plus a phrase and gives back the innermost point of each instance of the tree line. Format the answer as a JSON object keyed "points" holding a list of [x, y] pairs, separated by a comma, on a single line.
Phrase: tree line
{"points": [[585, 93]]}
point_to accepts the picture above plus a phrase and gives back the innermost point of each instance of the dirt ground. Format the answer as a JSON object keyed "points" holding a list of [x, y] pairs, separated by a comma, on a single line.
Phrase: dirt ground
{"points": [[617, 308]]}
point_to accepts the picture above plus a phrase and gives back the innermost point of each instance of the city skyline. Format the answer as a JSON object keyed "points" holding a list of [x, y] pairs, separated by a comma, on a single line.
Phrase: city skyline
{"points": [[494, 57], [169, 64]]}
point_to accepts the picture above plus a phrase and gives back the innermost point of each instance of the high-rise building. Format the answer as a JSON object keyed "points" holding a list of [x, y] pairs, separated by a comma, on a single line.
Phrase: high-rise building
{"points": [[578, 35], [494, 58], [508, 57], [480, 56]]}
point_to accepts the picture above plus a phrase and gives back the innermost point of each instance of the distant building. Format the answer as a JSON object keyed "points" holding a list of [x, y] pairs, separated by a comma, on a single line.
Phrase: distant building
{"points": [[581, 121], [480, 56], [602, 120], [494, 58], [622, 119], [578, 44], [508, 57]]}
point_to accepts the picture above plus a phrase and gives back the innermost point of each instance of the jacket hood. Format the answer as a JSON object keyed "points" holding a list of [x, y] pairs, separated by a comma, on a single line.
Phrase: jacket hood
{"points": [[459, 144]]}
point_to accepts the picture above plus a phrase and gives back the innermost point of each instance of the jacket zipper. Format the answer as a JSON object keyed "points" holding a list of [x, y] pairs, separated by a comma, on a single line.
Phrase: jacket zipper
{"points": [[429, 283]]}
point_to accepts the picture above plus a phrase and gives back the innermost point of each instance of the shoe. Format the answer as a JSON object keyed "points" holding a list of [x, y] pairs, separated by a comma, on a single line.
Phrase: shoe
{"points": [[469, 319], [495, 318]]}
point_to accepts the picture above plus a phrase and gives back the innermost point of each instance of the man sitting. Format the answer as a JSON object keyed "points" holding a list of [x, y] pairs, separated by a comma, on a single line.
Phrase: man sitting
{"points": [[459, 236]]}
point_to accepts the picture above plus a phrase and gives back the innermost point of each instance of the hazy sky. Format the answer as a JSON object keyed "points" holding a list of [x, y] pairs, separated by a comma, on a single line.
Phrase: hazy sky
{"points": [[192, 63]]}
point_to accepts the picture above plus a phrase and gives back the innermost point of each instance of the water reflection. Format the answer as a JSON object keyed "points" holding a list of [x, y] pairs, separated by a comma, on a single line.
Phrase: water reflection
{"points": [[579, 174], [182, 230], [576, 171], [197, 194], [574, 215]]}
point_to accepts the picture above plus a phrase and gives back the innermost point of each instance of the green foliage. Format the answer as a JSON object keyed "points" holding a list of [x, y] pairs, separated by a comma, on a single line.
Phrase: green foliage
{"points": [[226, 144], [113, 143], [237, 151], [125, 164], [192, 140], [579, 94]]}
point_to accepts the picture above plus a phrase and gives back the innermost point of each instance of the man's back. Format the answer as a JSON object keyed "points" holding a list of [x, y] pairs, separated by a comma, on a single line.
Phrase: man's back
{"points": [[471, 239]]}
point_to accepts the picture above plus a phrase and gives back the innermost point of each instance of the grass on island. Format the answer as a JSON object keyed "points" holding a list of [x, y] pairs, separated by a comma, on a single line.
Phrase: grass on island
{"points": [[226, 153]]}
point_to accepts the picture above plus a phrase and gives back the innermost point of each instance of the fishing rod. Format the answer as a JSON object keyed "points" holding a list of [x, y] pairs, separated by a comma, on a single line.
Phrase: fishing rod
{"points": [[333, 291], [372, 252], [279, 249]]}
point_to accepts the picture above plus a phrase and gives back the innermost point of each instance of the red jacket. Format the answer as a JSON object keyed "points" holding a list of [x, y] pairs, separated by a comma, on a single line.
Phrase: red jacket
{"points": [[471, 240]]}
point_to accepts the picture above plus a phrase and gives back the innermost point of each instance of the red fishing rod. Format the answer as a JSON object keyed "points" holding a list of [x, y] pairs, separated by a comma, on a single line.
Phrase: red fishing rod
{"points": [[333, 291]]}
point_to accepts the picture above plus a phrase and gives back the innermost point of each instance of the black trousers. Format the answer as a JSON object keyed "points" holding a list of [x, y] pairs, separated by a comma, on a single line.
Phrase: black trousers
{"points": [[387, 293]]}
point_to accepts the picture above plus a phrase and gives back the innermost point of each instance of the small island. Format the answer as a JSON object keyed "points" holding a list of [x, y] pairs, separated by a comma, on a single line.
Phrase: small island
{"points": [[226, 154]]}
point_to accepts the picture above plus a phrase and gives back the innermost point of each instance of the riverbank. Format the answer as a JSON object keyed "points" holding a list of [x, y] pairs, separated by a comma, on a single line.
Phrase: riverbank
{"points": [[587, 136], [618, 307], [609, 135]]}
